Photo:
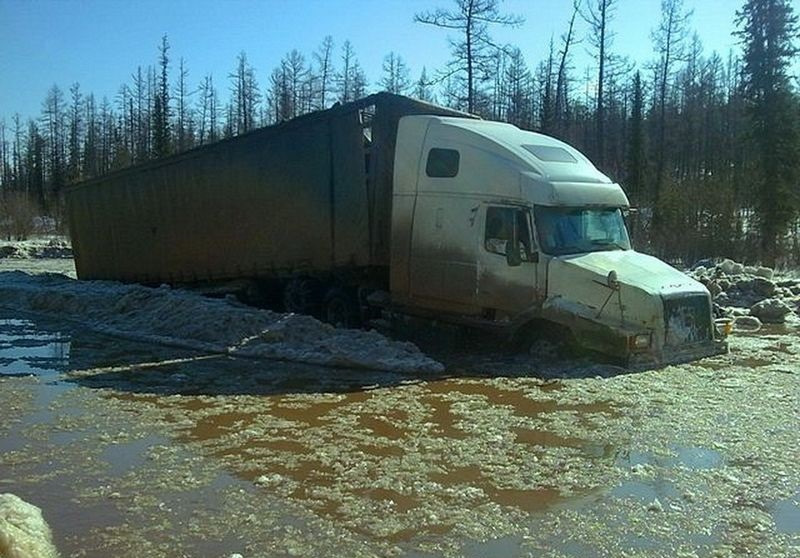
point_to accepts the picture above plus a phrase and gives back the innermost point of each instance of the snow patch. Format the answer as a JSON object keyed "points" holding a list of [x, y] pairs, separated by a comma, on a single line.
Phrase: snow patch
{"points": [[36, 248], [185, 319]]}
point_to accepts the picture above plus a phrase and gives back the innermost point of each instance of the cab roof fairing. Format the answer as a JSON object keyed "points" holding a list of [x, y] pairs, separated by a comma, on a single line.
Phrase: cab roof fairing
{"points": [[571, 194], [554, 183]]}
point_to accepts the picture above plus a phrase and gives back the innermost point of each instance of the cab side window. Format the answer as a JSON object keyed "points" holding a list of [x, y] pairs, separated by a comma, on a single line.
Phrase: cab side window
{"points": [[501, 224], [442, 163]]}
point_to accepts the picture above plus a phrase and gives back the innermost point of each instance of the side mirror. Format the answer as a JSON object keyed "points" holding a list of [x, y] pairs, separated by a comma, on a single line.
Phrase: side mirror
{"points": [[513, 257], [533, 257]]}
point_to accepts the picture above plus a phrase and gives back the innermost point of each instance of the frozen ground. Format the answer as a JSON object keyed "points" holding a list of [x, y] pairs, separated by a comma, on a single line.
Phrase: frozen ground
{"points": [[133, 448]]}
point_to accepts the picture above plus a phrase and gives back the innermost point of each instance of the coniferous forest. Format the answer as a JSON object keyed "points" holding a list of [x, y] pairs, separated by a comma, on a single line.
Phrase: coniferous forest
{"points": [[706, 144]]}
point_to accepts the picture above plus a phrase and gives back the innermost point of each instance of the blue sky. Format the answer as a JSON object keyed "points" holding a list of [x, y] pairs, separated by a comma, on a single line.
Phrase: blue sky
{"points": [[99, 43]]}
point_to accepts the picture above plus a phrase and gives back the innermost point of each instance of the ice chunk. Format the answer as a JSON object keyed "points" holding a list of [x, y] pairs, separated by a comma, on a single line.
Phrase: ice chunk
{"points": [[23, 531]]}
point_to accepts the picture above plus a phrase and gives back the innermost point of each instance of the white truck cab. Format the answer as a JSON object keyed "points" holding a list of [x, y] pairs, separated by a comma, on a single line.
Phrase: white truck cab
{"points": [[496, 226]]}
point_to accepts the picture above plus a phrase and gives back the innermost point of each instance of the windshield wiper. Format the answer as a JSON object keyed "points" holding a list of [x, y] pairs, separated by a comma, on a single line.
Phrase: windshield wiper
{"points": [[609, 243]]}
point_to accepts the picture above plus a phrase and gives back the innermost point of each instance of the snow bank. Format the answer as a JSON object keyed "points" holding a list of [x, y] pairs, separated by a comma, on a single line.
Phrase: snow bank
{"points": [[185, 319], [23, 531], [740, 290]]}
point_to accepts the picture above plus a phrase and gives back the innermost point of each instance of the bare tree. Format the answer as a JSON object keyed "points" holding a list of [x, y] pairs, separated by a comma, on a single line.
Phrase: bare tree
{"points": [[561, 97], [324, 71], [141, 119], [518, 89], [18, 169], [5, 168], [246, 97], [91, 159], [598, 14], [395, 75], [207, 131], [473, 48], [422, 89], [54, 121], [75, 133], [183, 124], [545, 81], [669, 38], [351, 79], [161, 112]]}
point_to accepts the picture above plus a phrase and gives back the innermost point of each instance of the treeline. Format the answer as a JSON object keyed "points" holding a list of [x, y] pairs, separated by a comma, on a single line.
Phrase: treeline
{"points": [[705, 144]]}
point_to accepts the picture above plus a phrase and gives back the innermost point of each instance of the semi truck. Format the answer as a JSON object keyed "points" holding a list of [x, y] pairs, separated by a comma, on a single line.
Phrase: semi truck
{"points": [[390, 206]]}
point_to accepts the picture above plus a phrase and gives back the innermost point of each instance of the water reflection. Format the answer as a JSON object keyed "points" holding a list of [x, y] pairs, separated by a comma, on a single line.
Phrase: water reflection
{"points": [[25, 349]]}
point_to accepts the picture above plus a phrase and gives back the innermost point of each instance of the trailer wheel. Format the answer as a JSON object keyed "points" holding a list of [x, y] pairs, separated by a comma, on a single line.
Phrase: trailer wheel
{"points": [[341, 309], [301, 296]]}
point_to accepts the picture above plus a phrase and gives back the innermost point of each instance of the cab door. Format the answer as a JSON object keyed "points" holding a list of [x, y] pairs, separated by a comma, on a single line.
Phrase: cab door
{"points": [[507, 286], [442, 265]]}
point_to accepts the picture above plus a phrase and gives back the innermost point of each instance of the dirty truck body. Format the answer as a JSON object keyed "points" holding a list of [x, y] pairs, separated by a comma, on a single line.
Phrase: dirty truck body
{"points": [[394, 206]]}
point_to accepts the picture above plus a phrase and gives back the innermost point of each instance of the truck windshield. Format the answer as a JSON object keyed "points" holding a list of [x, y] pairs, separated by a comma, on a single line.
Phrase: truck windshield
{"points": [[574, 230]]}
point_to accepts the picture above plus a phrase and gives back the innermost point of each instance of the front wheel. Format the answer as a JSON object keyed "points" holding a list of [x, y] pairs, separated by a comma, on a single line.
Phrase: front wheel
{"points": [[341, 309], [545, 340]]}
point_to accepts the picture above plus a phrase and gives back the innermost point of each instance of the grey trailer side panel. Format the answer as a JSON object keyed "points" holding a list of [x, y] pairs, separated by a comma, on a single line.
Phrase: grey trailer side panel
{"points": [[257, 206], [312, 194]]}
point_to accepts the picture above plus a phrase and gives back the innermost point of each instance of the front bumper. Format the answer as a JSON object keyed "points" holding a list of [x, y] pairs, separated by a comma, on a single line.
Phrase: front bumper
{"points": [[678, 355]]}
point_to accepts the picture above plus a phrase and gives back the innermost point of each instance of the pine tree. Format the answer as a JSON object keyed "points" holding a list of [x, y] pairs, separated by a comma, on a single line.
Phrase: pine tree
{"points": [[636, 151], [768, 29]]}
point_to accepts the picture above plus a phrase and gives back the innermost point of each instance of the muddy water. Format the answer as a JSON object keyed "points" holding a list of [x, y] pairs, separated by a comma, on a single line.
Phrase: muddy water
{"points": [[134, 450]]}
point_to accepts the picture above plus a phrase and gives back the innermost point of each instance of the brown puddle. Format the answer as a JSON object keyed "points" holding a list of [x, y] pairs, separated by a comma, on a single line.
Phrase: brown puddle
{"points": [[518, 400], [312, 415], [216, 426], [545, 439], [443, 418], [459, 475], [384, 425], [527, 500]]}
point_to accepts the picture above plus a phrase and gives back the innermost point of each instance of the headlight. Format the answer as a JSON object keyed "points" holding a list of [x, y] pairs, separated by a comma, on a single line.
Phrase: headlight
{"points": [[724, 326], [640, 341]]}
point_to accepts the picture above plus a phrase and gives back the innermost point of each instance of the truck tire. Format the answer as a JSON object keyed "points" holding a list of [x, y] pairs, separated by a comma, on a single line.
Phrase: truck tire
{"points": [[301, 296], [341, 309], [545, 340]]}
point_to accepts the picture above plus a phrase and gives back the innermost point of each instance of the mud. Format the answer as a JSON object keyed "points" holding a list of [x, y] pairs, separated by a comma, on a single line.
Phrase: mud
{"points": [[137, 450]]}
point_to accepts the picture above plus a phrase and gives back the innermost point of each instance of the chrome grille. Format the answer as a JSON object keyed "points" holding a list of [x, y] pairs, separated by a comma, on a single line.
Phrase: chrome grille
{"points": [[687, 320]]}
